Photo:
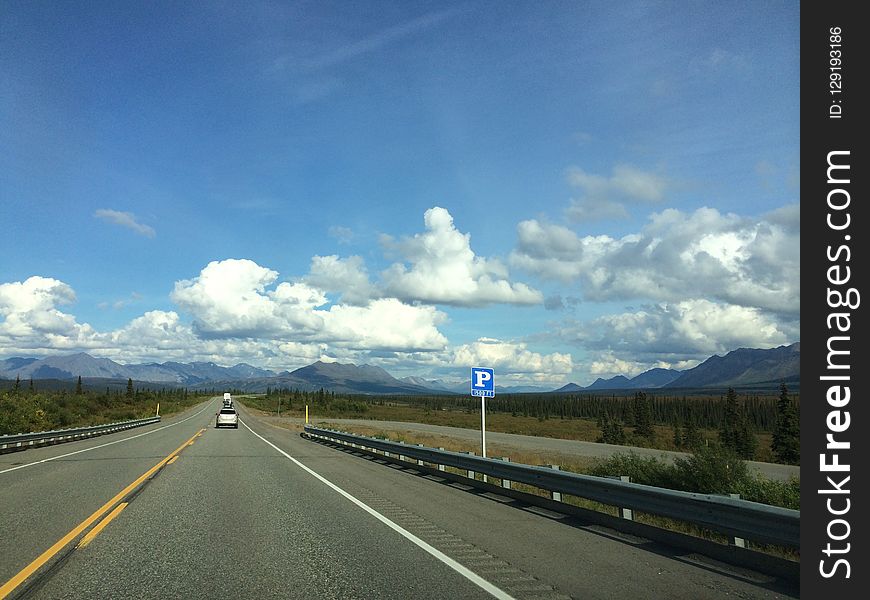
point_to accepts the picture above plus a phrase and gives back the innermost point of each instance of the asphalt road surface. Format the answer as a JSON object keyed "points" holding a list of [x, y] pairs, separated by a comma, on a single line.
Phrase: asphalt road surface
{"points": [[183, 510]]}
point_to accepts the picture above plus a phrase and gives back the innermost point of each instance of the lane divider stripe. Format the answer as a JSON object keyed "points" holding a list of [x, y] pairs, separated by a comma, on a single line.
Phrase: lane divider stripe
{"points": [[99, 526], [456, 566], [59, 545]]}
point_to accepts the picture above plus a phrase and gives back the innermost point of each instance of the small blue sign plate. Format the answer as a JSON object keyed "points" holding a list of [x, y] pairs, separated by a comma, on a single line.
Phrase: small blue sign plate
{"points": [[482, 382]]}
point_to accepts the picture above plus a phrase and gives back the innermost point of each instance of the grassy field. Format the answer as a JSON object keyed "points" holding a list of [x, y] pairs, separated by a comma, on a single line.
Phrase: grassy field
{"points": [[567, 429]]}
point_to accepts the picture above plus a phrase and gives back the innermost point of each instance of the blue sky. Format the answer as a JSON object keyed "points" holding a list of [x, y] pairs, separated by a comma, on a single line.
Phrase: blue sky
{"points": [[561, 191]]}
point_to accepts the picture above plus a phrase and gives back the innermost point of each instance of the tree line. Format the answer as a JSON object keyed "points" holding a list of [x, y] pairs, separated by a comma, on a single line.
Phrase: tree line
{"points": [[621, 419], [24, 407]]}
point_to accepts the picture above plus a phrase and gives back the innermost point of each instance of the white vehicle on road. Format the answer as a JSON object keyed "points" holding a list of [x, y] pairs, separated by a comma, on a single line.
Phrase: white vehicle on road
{"points": [[227, 417]]}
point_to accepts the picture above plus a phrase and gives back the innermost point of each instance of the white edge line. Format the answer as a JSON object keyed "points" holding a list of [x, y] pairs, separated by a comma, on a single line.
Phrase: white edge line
{"points": [[133, 437], [459, 568]]}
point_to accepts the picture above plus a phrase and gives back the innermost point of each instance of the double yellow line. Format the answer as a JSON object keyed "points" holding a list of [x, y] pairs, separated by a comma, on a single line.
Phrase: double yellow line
{"points": [[112, 505]]}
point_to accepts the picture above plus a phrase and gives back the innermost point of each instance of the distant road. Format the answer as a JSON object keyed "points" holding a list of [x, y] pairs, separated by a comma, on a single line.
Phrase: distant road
{"points": [[528, 443]]}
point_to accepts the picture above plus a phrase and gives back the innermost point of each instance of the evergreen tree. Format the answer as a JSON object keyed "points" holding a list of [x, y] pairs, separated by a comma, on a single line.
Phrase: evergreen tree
{"points": [[678, 434], [611, 431], [747, 443], [643, 416], [79, 386], [31, 389], [130, 387], [786, 443], [17, 386], [729, 430], [692, 436]]}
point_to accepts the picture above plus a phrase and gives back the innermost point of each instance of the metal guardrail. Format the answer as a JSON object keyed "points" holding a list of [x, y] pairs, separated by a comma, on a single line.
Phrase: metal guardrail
{"points": [[731, 516], [23, 441]]}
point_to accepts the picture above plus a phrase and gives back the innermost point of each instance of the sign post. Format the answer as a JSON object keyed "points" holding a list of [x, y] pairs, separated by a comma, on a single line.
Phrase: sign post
{"points": [[483, 385]]}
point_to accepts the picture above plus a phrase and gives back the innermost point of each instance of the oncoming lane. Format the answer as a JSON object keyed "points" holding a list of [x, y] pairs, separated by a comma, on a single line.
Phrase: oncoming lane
{"points": [[52, 490]]}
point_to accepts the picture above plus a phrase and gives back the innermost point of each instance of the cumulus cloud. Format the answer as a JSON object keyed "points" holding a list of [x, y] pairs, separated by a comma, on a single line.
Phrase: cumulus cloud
{"points": [[346, 276], [512, 357], [233, 299], [444, 269], [705, 254], [238, 315], [31, 319], [671, 333], [385, 324], [125, 219], [229, 299]]}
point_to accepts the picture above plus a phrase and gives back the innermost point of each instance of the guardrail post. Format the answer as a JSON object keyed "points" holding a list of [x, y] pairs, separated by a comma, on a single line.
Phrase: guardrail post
{"points": [[506, 483], [739, 542], [626, 513], [440, 466], [419, 462], [470, 474], [401, 456], [557, 496]]}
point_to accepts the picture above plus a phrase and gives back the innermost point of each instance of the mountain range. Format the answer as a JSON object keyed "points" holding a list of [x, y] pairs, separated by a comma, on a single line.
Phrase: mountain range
{"points": [[742, 367]]}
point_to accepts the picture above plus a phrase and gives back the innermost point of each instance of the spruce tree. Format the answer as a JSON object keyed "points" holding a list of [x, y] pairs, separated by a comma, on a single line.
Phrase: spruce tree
{"points": [[729, 430], [678, 434], [786, 443], [691, 437], [747, 444], [643, 416], [129, 388], [79, 386]]}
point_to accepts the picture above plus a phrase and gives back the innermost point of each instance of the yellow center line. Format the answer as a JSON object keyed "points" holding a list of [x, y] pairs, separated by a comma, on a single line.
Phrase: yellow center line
{"points": [[99, 526], [174, 458], [59, 545]]}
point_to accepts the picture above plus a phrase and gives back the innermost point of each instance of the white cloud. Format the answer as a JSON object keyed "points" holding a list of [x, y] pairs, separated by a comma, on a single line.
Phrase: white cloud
{"points": [[347, 276], [237, 317], [687, 330], [125, 219], [29, 308], [229, 299], [677, 256], [31, 322], [444, 269], [512, 358], [385, 324], [602, 197]]}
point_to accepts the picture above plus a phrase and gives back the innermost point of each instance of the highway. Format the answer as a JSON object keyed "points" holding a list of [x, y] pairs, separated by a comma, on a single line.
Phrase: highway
{"points": [[182, 510]]}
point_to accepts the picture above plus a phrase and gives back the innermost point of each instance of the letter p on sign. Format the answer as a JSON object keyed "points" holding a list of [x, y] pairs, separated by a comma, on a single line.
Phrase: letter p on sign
{"points": [[482, 382]]}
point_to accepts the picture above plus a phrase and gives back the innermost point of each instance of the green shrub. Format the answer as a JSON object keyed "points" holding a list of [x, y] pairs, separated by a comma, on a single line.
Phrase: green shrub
{"points": [[769, 491], [647, 470], [712, 469]]}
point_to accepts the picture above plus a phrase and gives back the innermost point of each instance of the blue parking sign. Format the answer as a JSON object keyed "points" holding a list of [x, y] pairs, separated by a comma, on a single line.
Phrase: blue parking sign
{"points": [[482, 382]]}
